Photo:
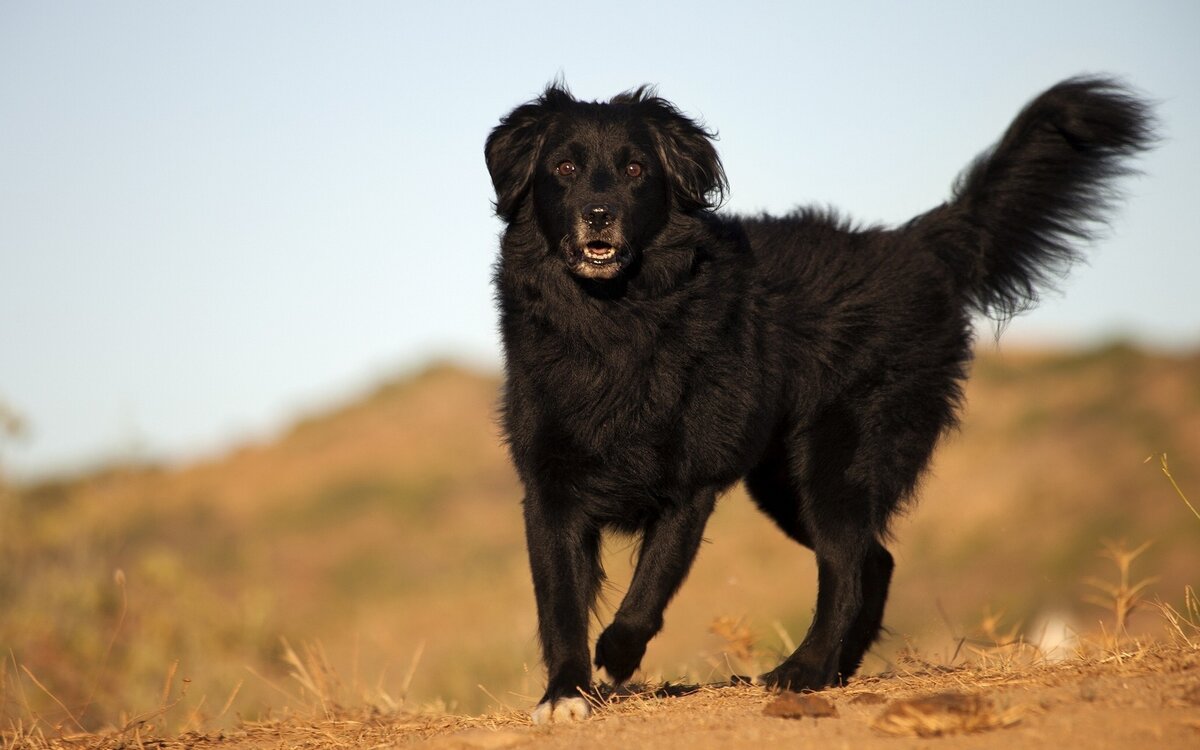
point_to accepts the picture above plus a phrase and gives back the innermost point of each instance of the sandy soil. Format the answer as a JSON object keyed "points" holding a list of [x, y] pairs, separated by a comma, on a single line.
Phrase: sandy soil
{"points": [[1143, 698]]}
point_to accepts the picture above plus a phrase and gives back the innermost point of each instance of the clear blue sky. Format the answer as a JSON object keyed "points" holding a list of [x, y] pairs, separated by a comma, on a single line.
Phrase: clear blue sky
{"points": [[214, 215]]}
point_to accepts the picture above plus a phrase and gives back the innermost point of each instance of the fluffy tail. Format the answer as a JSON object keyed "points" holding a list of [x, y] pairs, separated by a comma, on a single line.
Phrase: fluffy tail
{"points": [[1024, 206]]}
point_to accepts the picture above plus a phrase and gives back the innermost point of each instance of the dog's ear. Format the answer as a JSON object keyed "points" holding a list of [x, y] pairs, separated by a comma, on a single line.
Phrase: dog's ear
{"points": [[686, 151], [513, 145]]}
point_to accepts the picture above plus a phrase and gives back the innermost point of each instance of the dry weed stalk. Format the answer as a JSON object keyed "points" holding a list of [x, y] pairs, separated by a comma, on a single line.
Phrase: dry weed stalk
{"points": [[1167, 470], [142, 721], [738, 652], [52, 697], [1184, 626], [738, 640], [989, 627], [119, 582], [1124, 596]]}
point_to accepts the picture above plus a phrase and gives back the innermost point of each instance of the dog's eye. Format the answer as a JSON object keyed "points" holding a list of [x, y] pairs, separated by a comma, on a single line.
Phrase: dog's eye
{"points": [[566, 169], [634, 169]]}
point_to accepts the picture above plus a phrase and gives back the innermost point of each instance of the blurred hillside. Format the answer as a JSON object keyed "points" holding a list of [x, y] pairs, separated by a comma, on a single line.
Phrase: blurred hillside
{"points": [[387, 530]]}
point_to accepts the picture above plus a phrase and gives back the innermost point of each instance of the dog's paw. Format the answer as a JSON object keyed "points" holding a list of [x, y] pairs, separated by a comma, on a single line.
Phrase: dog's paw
{"points": [[619, 651], [560, 711], [797, 677]]}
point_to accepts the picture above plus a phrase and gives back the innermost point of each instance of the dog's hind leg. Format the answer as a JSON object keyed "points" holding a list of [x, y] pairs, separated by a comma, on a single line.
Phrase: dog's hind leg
{"points": [[773, 487], [812, 486], [669, 546], [773, 493], [841, 554], [564, 556], [876, 576]]}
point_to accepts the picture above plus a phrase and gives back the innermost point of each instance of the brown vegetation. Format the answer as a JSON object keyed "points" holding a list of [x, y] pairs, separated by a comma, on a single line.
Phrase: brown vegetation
{"points": [[366, 570]]}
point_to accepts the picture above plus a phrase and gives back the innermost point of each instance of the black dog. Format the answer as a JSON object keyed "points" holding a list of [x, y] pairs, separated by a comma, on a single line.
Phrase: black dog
{"points": [[658, 352]]}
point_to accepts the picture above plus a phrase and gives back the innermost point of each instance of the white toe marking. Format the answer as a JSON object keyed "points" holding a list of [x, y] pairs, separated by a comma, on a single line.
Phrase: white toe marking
{"points": [[561, 711], [571, 709], [541, 714]]}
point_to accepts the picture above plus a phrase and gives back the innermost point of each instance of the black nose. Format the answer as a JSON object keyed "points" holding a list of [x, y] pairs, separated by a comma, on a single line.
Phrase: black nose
{"points": [[597, 215]]}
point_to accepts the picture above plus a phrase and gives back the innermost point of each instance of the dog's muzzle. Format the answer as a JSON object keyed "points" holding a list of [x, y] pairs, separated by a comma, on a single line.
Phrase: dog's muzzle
{"points": [[598, 251]]}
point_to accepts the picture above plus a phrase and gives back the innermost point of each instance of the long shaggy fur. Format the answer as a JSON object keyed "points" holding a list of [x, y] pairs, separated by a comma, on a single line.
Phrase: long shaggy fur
{"points": [[657, 351]]}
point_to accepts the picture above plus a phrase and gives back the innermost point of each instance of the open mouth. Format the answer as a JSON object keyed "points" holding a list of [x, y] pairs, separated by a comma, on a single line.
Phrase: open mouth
{"points": [[599, 253], [598, 259]]}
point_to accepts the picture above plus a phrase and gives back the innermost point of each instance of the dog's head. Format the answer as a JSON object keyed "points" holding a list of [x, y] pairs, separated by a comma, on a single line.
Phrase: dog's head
{"points": [[601, 178]]}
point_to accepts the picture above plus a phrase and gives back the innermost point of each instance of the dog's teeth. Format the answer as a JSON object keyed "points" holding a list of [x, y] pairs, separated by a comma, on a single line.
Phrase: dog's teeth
{"points": [[596, 254]]}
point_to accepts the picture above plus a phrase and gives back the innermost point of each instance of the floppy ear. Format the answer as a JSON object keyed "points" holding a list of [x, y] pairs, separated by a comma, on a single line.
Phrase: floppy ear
{"points": [[512, 149], [687, 153]]}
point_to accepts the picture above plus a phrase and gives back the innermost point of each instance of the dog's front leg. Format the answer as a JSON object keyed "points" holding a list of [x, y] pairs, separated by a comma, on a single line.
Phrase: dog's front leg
{"points": [[669, 546], [564, 556]]}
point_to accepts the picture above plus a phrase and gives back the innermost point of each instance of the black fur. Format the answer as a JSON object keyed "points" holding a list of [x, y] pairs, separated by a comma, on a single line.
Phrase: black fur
{"points": [[657, 352]]}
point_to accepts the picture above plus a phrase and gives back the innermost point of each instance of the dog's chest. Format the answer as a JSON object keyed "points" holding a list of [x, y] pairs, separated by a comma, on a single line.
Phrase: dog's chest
{"points": [[631, 419]]}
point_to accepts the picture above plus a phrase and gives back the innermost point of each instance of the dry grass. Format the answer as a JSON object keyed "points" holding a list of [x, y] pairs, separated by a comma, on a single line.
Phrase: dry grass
{"points": [[371, 537], [1183, 625], [934, 702]]}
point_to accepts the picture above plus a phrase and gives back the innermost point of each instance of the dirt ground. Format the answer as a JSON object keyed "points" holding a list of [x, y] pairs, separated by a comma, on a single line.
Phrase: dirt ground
{"points": [[1137, 698]]}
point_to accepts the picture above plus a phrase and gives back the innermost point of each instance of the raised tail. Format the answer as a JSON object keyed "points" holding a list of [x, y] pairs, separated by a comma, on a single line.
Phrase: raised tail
{"points": [[1021, 210]]}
